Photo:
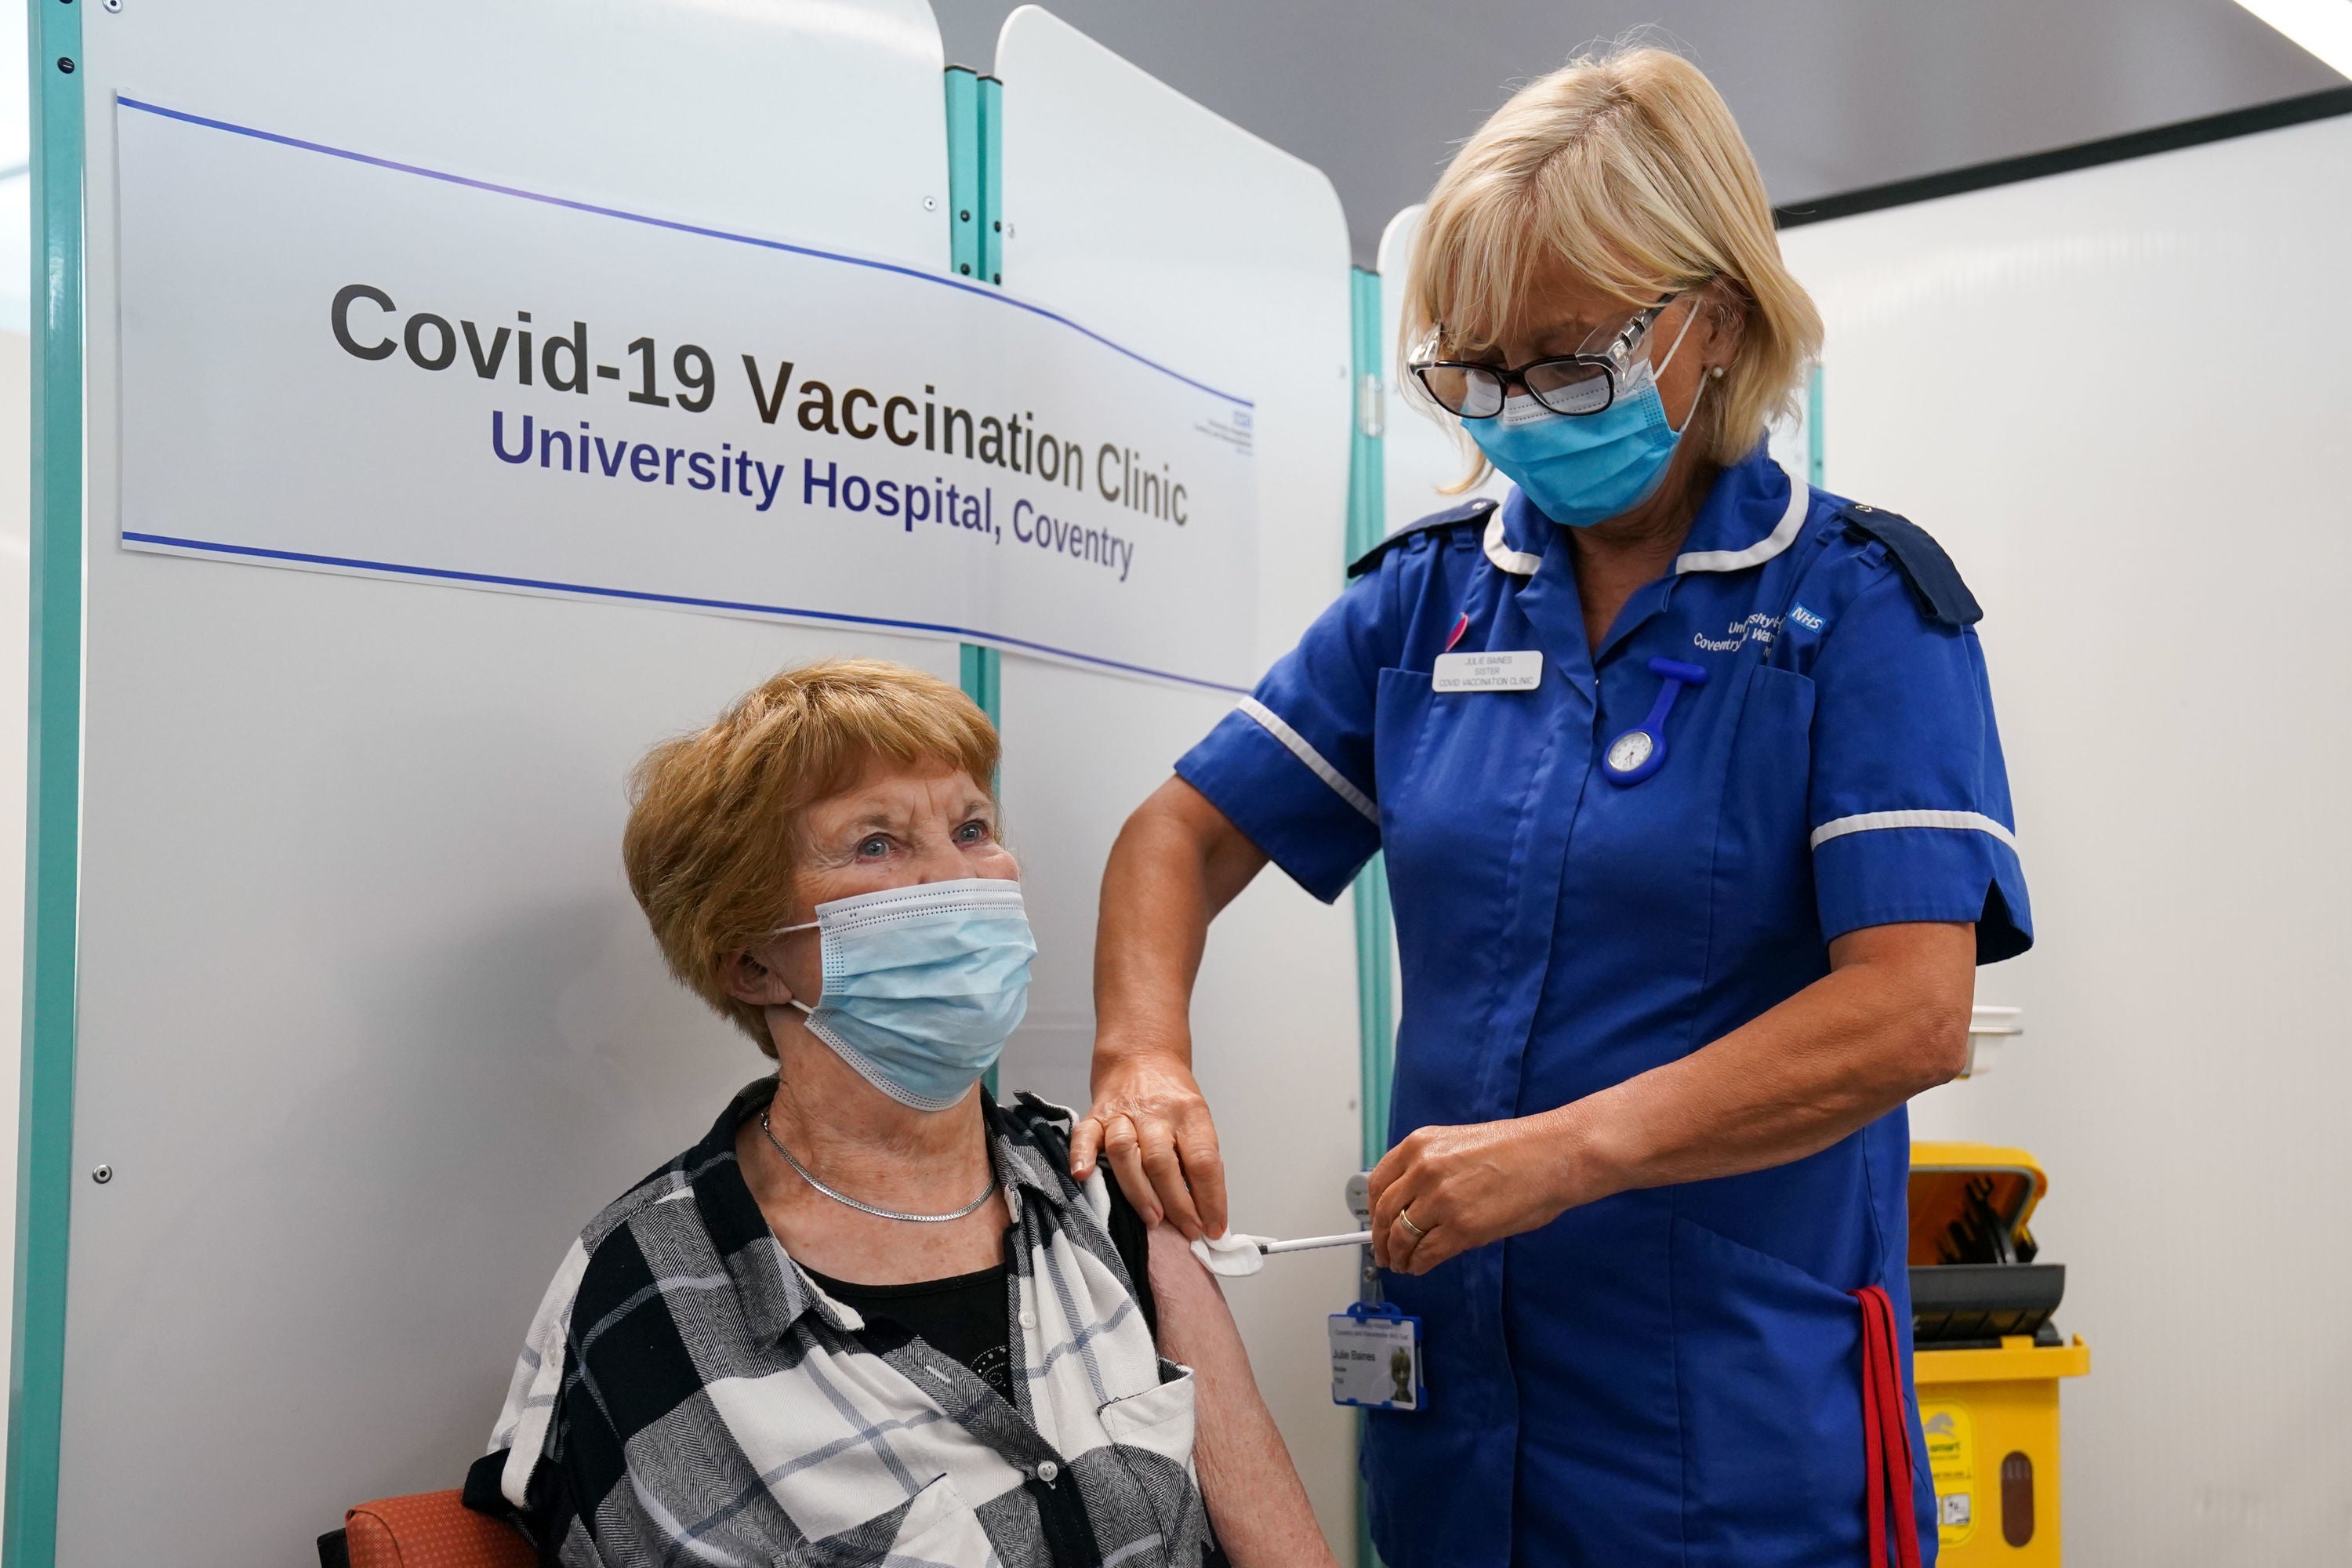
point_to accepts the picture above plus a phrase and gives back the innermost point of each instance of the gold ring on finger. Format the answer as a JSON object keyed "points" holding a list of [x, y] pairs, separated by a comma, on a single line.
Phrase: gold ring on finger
{"points": [[1404, 1218]]}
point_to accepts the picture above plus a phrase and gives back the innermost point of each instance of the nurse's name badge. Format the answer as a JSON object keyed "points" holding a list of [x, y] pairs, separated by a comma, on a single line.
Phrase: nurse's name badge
{"points": [[1375, 1358], [1519, 669]]}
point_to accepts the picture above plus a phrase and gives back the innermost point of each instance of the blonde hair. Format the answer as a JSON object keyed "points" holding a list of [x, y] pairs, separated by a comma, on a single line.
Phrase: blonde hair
{"points": [[716, 817], [1628, 167]]}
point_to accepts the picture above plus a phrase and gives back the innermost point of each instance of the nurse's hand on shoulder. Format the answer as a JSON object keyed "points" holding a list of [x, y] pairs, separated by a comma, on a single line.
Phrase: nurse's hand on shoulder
{"points": [[1151, 1126], [1462, 1188]]}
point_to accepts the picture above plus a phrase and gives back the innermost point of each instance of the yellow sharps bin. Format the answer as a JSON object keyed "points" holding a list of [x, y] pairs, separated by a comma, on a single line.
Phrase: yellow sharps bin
{"points": [[1986, 1356]]}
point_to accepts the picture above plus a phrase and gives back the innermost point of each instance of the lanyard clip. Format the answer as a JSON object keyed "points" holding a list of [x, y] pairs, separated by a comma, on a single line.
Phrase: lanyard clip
{"points": [[1642, 751]]}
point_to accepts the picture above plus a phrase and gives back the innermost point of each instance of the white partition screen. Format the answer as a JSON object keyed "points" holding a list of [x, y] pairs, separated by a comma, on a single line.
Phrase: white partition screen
{"points": [[366, 1023], [1132, 208], [369, 1023], [2120, 398]]}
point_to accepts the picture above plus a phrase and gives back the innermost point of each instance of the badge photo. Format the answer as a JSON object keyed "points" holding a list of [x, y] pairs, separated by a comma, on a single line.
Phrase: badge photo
{"points": [[1376, 1359]]}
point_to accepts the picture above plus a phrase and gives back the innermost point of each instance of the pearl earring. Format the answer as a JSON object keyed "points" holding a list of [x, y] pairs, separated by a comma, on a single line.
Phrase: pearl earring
{"points": [[1717, 373]]}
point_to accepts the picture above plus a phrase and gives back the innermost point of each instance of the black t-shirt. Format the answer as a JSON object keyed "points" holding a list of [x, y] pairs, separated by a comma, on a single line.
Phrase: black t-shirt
{"points": [[968, 1317]]}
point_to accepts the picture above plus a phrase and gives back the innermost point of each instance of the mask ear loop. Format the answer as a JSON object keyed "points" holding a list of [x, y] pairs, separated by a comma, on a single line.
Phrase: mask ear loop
{"points": [[1659, 368], [787, 930], [1676, 346]]}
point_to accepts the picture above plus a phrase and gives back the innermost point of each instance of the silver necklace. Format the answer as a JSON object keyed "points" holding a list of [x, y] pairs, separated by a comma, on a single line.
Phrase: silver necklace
{"points": [[986, 1192]]}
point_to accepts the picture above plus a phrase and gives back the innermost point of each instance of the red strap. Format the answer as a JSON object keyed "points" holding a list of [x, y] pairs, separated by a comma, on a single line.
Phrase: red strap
{"points": [[1886, 1457]]}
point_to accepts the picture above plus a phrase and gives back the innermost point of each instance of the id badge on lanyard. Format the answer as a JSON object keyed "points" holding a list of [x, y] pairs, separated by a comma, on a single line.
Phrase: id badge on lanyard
{"points": [[1375, 1349], [1375, 1358]]}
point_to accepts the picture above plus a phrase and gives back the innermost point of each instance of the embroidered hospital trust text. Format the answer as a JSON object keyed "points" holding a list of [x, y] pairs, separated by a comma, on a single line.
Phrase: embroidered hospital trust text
{"points": [[1757, 627]]}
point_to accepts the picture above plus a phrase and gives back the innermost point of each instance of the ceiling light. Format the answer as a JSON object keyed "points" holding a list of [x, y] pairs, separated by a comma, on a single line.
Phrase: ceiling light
{"points": [[2322, 26]]}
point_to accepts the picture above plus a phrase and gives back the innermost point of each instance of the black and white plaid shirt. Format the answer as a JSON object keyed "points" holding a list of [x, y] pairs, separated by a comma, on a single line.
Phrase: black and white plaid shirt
{"points": [[688, 1395]]}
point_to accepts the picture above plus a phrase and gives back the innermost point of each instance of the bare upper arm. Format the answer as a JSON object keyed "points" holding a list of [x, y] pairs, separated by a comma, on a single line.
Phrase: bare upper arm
{"points": [[1228, 858], [1193, 1317], [1938, 956]]}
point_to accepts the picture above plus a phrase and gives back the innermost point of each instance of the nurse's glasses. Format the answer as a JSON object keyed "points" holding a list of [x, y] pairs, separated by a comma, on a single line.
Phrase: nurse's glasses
{"points": [[1576, 384]]}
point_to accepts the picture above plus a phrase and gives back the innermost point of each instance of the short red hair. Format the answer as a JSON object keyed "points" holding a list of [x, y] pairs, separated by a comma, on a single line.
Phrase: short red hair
{"points": [[715, 820]]}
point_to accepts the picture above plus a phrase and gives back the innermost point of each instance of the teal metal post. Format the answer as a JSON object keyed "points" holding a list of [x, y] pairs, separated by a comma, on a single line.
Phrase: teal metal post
{"points": [[1366, 524], [992, 179], [1375, 931], [975, 175], [53, 794], [982, 670], [963, 170], [1813, 434], [1367, 475], [975, 250]]}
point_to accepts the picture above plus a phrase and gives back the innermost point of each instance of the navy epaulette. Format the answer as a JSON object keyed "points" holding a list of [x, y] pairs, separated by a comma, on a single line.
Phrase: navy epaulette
{"points": [[1926, 567], [1468, 511]]}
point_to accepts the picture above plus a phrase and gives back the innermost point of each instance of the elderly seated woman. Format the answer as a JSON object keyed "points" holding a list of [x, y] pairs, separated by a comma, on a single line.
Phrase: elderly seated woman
{"points": [[869, 1318]]}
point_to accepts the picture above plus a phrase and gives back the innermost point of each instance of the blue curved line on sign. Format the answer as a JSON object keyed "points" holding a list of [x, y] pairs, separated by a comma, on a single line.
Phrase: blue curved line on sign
{"points": [[996, 296], [686, 601]]}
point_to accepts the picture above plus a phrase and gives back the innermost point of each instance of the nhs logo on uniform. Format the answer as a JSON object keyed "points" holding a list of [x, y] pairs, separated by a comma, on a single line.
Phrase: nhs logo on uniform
{"points": [[1806, 618]]}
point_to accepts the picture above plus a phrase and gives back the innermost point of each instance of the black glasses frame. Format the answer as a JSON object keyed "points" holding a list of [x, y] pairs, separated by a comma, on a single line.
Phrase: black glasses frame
{"points": [[1613, 363]]}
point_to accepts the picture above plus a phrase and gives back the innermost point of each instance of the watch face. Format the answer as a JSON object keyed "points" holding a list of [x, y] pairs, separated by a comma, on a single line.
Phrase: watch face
{"points": [[1630, 750]]}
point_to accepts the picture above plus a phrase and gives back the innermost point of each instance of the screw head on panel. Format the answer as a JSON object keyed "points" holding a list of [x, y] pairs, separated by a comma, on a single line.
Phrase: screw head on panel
{"points": [[65, 64], [115, 5], [931, 203], [102, 1175]]}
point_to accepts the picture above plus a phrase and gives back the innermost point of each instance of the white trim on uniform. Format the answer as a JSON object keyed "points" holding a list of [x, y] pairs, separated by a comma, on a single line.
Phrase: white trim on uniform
{"points": [[1801, 499], [1517, 563], [1272, 723], [1872, 821]]}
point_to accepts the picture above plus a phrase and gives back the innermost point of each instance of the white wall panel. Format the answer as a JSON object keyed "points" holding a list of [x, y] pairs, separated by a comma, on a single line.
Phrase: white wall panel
{"points": [[370, 1024], [1137, 212], [2122, 398]]}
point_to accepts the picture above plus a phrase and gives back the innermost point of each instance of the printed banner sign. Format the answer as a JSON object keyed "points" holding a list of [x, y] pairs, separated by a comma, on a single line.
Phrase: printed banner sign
{"points": [[335, 361]]}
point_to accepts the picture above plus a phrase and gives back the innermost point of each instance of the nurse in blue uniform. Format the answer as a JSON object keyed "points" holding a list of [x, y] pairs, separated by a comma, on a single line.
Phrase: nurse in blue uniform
{"points": [[1696, 824]]}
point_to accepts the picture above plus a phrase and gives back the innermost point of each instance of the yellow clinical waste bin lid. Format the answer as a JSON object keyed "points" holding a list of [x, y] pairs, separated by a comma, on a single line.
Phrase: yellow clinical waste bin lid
{"points": [[1953, 1183]]}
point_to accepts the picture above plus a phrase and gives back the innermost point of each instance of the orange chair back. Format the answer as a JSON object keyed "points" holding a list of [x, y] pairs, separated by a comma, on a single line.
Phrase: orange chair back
{"points": [[430, 1530]]}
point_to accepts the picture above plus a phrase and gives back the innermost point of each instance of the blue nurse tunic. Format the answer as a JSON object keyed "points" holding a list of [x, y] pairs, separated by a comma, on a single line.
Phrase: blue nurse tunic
{"points": [[1672, 1375]]}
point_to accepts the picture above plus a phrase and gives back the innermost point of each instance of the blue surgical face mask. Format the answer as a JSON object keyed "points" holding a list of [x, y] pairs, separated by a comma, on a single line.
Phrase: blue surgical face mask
{"points": [[1581, 470], [923, 984]]}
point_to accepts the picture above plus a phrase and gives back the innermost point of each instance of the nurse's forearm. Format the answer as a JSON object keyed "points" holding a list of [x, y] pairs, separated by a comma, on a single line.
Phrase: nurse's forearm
{"points": [[1255, 1499], [1177, 863], [1890, 1021]]}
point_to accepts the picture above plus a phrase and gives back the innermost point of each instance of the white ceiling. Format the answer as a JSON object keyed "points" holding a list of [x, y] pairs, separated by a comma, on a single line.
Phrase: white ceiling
{"points": [[1833, 94]]}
